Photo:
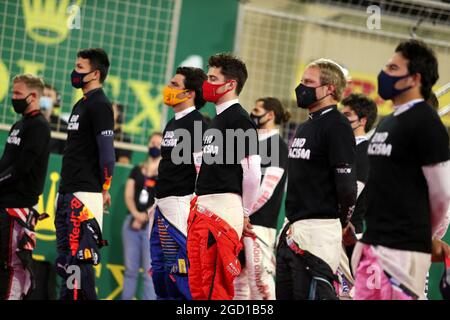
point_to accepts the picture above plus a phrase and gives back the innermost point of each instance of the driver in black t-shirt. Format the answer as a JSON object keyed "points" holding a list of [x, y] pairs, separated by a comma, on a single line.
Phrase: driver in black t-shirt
{"points": [[87, 168], [227, 184], [408, 191], [321, 191], [23, 168], [181, 157]]}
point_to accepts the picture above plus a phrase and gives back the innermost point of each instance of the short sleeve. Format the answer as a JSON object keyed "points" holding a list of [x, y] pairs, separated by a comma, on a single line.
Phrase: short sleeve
{"points": [[341, 144], [432, 139], [102, 118]]}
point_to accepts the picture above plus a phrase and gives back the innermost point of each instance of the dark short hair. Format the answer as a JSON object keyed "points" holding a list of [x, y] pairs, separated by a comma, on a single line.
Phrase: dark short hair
{"points": [[275, 105], [231, 67], [363, 106], [422, 60], [433, 101], [193, 80], [58, 95], [98, 60]]}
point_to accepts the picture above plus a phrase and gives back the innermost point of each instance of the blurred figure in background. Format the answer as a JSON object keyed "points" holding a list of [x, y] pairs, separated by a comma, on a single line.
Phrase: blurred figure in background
{"points": [[361, 111], [122, 155], [139, 197], [256, 281], [50, 104]]}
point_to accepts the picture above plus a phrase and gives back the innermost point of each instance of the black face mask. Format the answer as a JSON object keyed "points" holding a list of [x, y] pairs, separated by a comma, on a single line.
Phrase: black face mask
{"points": [[353, 121], [77, 79], [257, 119], [306, 96], [154, 152], [20, 105]]}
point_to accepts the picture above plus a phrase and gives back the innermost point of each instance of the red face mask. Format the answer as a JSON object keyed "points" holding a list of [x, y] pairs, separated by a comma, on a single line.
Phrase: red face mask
{"points": [[209, 91]]}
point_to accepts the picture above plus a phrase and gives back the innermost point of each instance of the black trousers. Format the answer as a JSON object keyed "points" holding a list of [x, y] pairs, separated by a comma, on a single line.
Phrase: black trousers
{"points": [[302, 277]]}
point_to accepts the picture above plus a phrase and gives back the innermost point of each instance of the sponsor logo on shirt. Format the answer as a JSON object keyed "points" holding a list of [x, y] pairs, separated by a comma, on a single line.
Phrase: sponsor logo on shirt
{"points": [[13, 137], [73, 123], [297, 150], [378, 145], [169, 140], [344, 170], [107, 133]]}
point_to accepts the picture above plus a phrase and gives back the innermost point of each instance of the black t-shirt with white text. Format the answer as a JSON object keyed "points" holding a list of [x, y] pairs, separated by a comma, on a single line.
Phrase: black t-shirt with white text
{"points": [[320, 144], [90, 116], [267, 215], [179, 179], [26, 151], [398, 214], [221, 170]]}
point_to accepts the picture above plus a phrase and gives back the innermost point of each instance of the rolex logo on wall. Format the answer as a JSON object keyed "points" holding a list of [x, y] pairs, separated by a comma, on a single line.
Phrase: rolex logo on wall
{"points": [[49, 21]]}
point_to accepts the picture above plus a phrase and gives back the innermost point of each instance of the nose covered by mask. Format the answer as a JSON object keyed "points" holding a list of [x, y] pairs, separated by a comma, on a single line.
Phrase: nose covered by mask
{"points": [[77, 79], [46, 103], [210, 91], [154, 152], [306, 96], [170, 96], [20, 105], [386, 85]]}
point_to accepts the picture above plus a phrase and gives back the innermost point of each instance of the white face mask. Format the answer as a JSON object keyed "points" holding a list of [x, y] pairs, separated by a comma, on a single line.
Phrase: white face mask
{"points": [[46, 103]]}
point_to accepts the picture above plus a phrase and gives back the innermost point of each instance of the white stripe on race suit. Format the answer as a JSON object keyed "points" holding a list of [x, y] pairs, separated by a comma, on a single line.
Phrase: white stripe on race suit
{"points": [[321, 237], [94, 202], [176, 211]]}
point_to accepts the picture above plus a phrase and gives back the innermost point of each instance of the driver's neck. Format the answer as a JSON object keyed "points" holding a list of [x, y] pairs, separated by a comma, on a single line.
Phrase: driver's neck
{"points": [[227, 97], [31, 107], [326, 102], [406, 97], [359, 131], [91, 86], [183, 106]]}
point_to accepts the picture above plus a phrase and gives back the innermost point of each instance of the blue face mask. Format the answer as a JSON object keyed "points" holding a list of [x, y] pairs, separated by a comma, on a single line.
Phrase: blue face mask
{"points": [[154, 152], [386, 85], [46, 103]]}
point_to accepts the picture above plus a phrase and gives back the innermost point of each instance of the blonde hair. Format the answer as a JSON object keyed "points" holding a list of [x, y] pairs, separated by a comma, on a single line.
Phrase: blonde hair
{"points": [[31, 81], [331, 73]]}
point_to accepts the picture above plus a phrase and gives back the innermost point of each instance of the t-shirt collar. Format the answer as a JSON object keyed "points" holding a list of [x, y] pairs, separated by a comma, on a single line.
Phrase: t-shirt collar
{"points": [[266, 134], [184, 113], [359, 139], [90, 93], [224, 106], [406, 106], [321, 112]]}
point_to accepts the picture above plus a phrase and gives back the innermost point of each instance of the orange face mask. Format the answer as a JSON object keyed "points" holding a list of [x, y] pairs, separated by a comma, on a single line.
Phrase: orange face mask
{"points": [[170, 96]]}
